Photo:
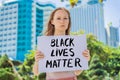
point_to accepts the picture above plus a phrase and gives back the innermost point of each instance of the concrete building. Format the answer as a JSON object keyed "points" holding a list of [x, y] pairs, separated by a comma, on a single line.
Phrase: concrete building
{"points": [[90, 19], [20, 24], [113, 36]]}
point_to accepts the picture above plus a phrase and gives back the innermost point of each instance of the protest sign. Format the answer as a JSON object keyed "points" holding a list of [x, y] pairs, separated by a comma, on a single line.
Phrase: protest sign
{"points": [[62, 53]]}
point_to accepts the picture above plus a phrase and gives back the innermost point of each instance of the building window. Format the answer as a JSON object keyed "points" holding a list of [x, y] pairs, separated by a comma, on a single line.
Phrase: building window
{"points": [[5, 45], [24, 21], [9, 50], [14, 38], [23, 43], [14, 17], [14, 22], [23, 39], [10, 8], [23, 49], [2, 9], [15, 12], [10, 18], [5, 34], [9, 34], [1, 35], [10, 23], [14, 44], [5, 39], [15, 6], [6, 24], [2, 14], [6, 18], [24, 16], [20, 16], [13, 50], [14, 27], [1, 41], [14, 33], [10, 28], [6, 9], [19, 33], [6, 13], [23, 32], [9, 39], [1, 19], [4, 51], [5, 29], [24, 10], [1, 25], [10, 13]]}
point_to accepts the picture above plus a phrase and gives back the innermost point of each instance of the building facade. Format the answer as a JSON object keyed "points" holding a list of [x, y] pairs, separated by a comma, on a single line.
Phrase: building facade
{"points": [[90, 19], [114, 36], [87, 15], [20, 24], [9, 29]]}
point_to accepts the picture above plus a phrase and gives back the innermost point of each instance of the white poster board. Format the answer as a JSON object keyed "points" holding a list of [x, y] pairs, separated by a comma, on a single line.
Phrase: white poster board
{"points": [[62, 53]]}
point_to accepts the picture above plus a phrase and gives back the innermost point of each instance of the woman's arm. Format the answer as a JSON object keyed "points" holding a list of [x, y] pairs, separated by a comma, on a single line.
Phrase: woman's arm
{"points": [[78, 72], [38, 55], [86, 54], [35, 69]]}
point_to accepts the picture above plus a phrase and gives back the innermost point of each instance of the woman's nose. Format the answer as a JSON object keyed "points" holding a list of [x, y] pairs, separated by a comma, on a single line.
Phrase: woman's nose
{"points": [[62, 20]]}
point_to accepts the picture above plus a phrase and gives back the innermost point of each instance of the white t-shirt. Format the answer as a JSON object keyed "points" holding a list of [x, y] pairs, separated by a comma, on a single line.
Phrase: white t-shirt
{"points": [[59, 75]]}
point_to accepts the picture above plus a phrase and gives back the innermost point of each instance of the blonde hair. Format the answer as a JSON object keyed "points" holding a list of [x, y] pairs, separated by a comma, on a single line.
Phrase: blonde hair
{"points": [[50, 27]]}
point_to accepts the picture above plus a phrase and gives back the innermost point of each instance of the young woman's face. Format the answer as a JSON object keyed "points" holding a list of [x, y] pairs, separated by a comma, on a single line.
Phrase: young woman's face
{"points": [[60, 20]]}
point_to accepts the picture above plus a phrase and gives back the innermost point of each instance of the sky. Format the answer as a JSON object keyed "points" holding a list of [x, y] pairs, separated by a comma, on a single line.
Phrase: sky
{"points": [[111, 10]]}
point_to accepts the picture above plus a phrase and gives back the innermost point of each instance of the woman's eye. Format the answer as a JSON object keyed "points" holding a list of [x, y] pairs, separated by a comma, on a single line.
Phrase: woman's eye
{"points": [[65, 18], [58, 18]]}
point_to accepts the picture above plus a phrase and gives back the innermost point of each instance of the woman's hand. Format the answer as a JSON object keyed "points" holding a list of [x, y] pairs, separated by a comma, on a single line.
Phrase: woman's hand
{"points": [[86, 54], [39, 55]]}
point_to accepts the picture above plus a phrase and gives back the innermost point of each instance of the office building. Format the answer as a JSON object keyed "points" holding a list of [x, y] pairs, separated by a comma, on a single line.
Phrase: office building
{"points": [[87, 15], [113, 34], [20, 24]]}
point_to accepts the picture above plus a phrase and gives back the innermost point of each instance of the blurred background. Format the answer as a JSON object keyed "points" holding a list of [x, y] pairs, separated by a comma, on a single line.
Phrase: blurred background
{"points": [[22, 21]]}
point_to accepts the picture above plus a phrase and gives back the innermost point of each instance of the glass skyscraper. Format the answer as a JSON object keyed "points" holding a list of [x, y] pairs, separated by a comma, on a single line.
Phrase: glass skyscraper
{"points": [[9, 28], [114, 36], [87, 15], [89, 18], [20, 24]]}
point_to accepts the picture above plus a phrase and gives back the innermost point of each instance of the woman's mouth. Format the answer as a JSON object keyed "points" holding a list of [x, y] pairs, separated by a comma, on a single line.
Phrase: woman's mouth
{"points": [[62, 25]]}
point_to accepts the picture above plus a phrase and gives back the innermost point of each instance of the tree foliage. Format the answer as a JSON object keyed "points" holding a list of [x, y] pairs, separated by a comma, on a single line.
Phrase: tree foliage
{"points": [[104, 60], [4, 61], [104, 63], [6, 75]]}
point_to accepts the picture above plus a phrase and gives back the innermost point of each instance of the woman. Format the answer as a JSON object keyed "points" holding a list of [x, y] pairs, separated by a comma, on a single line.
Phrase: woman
{"points": [[59, 24]]}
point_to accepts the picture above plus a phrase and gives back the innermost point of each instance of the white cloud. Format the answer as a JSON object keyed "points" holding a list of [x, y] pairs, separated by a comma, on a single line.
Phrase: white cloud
{"points": [[6, 1], [58, 3]]}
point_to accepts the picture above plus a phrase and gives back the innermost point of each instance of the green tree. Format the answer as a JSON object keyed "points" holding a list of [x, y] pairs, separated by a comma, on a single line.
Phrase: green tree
{"points": [[108, 63], [29, 58], [4, 61], [96, 69], [26, 68], [113, 63], [5, 75]]}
